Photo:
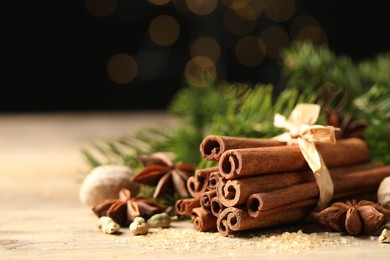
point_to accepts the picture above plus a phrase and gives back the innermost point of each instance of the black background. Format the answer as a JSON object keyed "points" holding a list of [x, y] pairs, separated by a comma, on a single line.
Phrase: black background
{"points": [[53, 53]]}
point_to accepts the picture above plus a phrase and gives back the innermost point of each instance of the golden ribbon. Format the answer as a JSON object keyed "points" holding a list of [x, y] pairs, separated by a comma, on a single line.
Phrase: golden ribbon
{"points": [[301, 130]]}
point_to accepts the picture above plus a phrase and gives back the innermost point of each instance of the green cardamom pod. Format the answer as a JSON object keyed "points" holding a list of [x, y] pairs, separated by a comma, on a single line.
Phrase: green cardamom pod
{"points": [[161, 220]]}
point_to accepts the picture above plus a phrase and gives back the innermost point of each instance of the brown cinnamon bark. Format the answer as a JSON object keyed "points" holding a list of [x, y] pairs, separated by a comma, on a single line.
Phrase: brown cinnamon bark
{"points": [[233, 219], [265, 201], [240, 163], [236, 192], [216, 206], [205, 199], [198, 183], [185, 206], [351, 183], [195, 188], [203, 221], [215, 179], [213, 146]]}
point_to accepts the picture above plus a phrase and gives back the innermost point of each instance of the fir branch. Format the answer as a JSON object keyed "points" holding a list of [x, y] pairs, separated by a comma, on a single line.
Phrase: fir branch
{"points": [[374, 106], [309, 67], [376, 71]]}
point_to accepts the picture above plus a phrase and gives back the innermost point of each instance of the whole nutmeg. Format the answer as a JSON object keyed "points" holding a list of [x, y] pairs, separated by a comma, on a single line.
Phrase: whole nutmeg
{"points": [[384, 193], [105, 182]]}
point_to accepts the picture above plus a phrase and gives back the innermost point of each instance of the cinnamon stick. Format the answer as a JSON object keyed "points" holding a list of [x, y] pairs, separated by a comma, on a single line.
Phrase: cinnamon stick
{"points": [[198, 183], [240, 163], [216, 206], [185, 206], [233, 219], [351, 183], [362, 194], [205, 199], [236, 192], [203, 221], [259, 202], [215, 179], [213, 146]]}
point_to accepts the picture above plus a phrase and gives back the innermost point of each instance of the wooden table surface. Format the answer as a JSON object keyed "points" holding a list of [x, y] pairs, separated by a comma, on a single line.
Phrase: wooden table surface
{"points": [[41, 216]]}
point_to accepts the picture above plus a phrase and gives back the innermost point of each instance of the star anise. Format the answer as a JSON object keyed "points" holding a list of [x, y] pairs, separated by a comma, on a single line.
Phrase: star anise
{"points": [[348, 126], [125, 209], [160, 170], [363, 217]]}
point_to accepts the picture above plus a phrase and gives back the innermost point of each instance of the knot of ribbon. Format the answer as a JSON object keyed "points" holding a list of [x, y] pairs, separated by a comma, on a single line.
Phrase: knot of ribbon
{"points": [[301, 129]]}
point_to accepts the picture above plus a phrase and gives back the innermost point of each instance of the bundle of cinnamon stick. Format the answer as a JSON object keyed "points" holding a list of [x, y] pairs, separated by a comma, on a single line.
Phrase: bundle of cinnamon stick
{"points": [[264, 183]]}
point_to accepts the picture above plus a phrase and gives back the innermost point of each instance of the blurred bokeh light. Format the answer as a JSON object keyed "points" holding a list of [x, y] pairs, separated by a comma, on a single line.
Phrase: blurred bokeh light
{"points": [[206, 46], [159, 2], [111, 54], [279, 10], [122, 68], [202, 7], [164, 30]]}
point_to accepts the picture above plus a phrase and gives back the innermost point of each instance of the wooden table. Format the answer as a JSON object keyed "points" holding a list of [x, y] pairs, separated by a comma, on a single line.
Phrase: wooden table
{"points": [[41, 169]]}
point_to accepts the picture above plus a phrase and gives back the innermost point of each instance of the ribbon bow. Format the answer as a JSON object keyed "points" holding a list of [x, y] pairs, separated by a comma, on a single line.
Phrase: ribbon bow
{"points": [[301, 129]]}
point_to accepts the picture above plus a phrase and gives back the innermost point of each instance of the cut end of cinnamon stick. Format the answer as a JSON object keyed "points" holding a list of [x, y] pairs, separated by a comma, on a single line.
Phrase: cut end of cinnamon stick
{"points": [[223, 226], [199, 183], [230, 164], [214, 180], [203, 221], [216, 206], [196, 187], [229, 220], [230, 193], [253, 205], [180, 207], [192, 186], [205, 199], [212, 147], [185, 206]]}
